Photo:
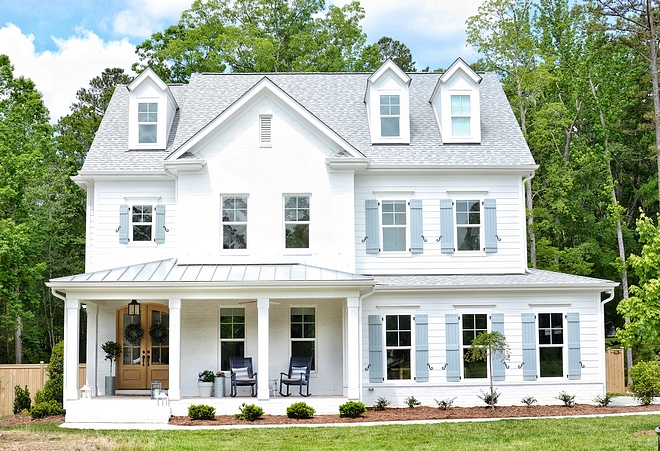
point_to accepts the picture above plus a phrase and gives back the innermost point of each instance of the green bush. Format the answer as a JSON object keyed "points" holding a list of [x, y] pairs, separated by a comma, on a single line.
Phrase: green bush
{"points": [[488, 398], [249, 412], [603, 401], [645, 381], [381, 403], [351, 409], [21, 399], [54, 386], [445, 404], [412, 402], [300, 410], [201, 412], [568, 400], [529, 400], [46, 409]]}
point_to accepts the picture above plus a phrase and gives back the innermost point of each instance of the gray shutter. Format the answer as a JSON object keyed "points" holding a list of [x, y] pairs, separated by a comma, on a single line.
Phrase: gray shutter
{"points": [[160, 224], [416, 231], [422, 347], [447, 226], [123, 223], [375, 348], [529, 346], [497, 325], [490, 225], [574, 366], [371, 219], [453, 348]]}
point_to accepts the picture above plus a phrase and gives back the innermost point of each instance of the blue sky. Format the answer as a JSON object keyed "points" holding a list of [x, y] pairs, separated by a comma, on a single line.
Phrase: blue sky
{"points": [[62, 45]]}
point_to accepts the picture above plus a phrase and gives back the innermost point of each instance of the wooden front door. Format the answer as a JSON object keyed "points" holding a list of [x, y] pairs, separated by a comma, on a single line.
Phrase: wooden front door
{"points": [[147, 360]]}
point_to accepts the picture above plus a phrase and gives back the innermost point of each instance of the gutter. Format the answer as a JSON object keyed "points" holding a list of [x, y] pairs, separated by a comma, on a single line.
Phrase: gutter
{"points": [[57, 295]]}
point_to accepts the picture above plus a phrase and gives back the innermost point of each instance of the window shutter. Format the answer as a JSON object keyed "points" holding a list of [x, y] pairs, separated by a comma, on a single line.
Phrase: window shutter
{"points": [[422, 347], [371, 219], [265, 129], [490, 225], [574, 366], [416, 231], [529, 346], [160, 224], [453, 348], [123, 223], [497, 325], [375, 348], [447, 226]]}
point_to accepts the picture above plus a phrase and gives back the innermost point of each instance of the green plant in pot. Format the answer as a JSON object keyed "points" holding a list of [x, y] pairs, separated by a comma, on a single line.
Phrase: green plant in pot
{"points": [[112, 351], [205, 383]]}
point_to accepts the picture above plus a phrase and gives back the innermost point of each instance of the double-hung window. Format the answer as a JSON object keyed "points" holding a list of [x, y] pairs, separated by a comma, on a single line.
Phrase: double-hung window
{"points": [[398, 346], [551, 345], [460, 115], [147, 123], [394, 223], [232, 335], [296, 222], [303, 333], [472, 326], [390, 114], [234, 222], [468, 225], [142, 224]]}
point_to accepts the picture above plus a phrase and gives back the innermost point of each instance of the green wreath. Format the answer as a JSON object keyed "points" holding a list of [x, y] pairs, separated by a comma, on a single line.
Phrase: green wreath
{"points": [[158, 333], [133, 334]]}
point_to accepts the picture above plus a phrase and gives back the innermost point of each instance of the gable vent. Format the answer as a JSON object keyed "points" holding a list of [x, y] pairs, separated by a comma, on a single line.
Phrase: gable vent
{"points": [[265, 129]]}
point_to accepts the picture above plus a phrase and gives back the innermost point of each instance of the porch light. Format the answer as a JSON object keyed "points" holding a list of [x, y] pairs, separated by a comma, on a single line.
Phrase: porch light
{"points": [[134, 308], [86, 392], [156, 389]]}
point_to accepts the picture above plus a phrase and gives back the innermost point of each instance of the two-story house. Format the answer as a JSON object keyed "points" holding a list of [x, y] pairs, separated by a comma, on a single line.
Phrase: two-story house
{"points": [[374, 222]]}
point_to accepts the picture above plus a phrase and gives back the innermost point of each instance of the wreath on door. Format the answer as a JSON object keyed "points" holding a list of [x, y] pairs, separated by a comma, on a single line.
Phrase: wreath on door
{"points": [[133, 334], [158, 333]]}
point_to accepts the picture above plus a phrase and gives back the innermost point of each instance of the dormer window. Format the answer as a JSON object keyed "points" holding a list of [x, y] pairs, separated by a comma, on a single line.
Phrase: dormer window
{"points": [[460, 115], [390, 111], [147, 122], [388, 105]]}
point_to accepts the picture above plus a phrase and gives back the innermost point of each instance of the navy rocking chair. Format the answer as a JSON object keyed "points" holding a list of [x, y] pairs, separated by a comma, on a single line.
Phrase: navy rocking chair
{"points": [[242, 375], [298, 374]]}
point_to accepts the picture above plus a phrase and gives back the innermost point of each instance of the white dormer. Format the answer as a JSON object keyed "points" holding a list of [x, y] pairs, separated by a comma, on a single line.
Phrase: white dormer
{"points": [[388, 105], [151, 112], [455, 101]]}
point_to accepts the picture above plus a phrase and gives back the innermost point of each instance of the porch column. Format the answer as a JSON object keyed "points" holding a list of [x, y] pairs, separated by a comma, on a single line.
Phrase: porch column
{"points": [[263, 348], [71, 337], [353, 349], [174, 391], [93, 348]]}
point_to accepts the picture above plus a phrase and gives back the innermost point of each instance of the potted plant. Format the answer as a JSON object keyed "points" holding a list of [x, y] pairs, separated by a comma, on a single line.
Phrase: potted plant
{"points": [[112, 351], [205, 383], [219, 385]]}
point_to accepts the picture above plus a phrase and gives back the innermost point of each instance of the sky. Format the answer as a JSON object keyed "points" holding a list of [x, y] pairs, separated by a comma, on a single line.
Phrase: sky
{"points": [[62, 45]]}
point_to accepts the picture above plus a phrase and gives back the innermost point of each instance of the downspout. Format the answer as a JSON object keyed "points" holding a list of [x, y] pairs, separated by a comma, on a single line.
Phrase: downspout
{"points": [[364, 296], [57, 295]]}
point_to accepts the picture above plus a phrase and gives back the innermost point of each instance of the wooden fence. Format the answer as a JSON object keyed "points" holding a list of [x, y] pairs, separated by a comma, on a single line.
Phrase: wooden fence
{"points": [[615, 371], [32, 375]]}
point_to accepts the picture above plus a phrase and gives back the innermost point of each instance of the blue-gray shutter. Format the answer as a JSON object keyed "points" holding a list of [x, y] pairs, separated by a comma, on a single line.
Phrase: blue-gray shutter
{"points": [[574, 366], [497, 325], [490, 225], [453, 348], [529, 346], [375, 348], [416, 231], [422, 347], [160, 224], [446, 226], [123, 223], [371, 219]]}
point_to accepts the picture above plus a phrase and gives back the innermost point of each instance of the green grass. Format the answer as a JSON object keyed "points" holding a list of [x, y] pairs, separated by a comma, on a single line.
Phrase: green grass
{"points": [[575, 434]]}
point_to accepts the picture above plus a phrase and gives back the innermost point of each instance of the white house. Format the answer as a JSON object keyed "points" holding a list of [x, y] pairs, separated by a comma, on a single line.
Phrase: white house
{"points": [[372, 221]]}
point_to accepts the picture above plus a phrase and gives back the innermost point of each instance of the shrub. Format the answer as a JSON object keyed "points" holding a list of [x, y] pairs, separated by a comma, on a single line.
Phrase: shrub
{"points": [[249, 412], [201, 412], [489, 398], [54, 386], [21, 399], [46, 409], [645, 381], [381, 403], [300, 410], [351, 409], [411, 402], [568, 400], [445, 404], [603, 401], [529, 400]]}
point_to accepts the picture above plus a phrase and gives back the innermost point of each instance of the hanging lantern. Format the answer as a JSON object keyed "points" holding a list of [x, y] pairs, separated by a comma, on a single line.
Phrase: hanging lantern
{"points": [[134, 308]]}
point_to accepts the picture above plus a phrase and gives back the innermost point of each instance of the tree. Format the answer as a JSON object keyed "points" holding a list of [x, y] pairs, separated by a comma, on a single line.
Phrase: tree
{"points": [[398, 52], [112, 351], [489, 346]]}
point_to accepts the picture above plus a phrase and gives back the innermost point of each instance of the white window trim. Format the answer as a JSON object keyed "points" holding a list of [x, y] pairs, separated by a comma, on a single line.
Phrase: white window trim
{"points": [[469, 116], [296, 250], [220, 339], [247, 228], [413, 354], [152, 223], [388, 116], [564, 345], [479, 251], [406, 251], [464, 346], [315, 371], [156, 122]]}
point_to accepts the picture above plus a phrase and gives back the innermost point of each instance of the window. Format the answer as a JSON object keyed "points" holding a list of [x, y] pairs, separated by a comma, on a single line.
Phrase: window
{"points": [[232, 335], [460, 115], [551, 344], [296, 222], [398, 346], [142, 222], [473, 326], [234, 222], [147, 119], [390, 111], [394, 225], [303, 333], [468, 225]]}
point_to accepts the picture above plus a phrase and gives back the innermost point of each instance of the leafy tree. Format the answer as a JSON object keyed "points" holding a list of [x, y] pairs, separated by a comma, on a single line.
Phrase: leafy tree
{"points": [[489, 346], [386, 47]]}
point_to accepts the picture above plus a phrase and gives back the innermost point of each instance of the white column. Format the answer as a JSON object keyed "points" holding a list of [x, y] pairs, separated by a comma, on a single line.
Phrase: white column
{"points": [[71, 339], [353, 348], [263, 348], [174, 391], [92, 348]]}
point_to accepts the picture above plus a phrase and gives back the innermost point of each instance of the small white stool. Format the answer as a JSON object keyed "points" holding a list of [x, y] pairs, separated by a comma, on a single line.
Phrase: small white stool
{"points": [[274, 388]]}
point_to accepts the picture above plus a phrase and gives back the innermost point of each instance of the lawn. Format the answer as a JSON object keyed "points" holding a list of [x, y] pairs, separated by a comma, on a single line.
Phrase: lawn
{"points": [[611, 433]]}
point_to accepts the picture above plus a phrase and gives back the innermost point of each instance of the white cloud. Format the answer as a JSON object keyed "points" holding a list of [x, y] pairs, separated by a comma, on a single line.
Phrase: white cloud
{"points": [[141, 19], [59, 74]]}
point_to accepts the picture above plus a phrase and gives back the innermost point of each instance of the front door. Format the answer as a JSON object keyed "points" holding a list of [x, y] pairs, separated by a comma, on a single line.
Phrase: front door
{"points": [[145, 340]]}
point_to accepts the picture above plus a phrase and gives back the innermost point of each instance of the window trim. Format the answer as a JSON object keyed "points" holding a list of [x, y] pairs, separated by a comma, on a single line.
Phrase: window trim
{"points": [[482, 243], [382, 116], [152, 223], [412, 347], [222, 224], [406, 249], [465, 346], [297, 250], [563, 346], [221, 340], [315, 357], [148, 122], [468, 116]]}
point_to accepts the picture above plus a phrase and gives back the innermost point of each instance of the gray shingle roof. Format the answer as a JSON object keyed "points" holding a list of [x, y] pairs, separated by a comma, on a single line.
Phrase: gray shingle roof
{"points": [[337, 99]]}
